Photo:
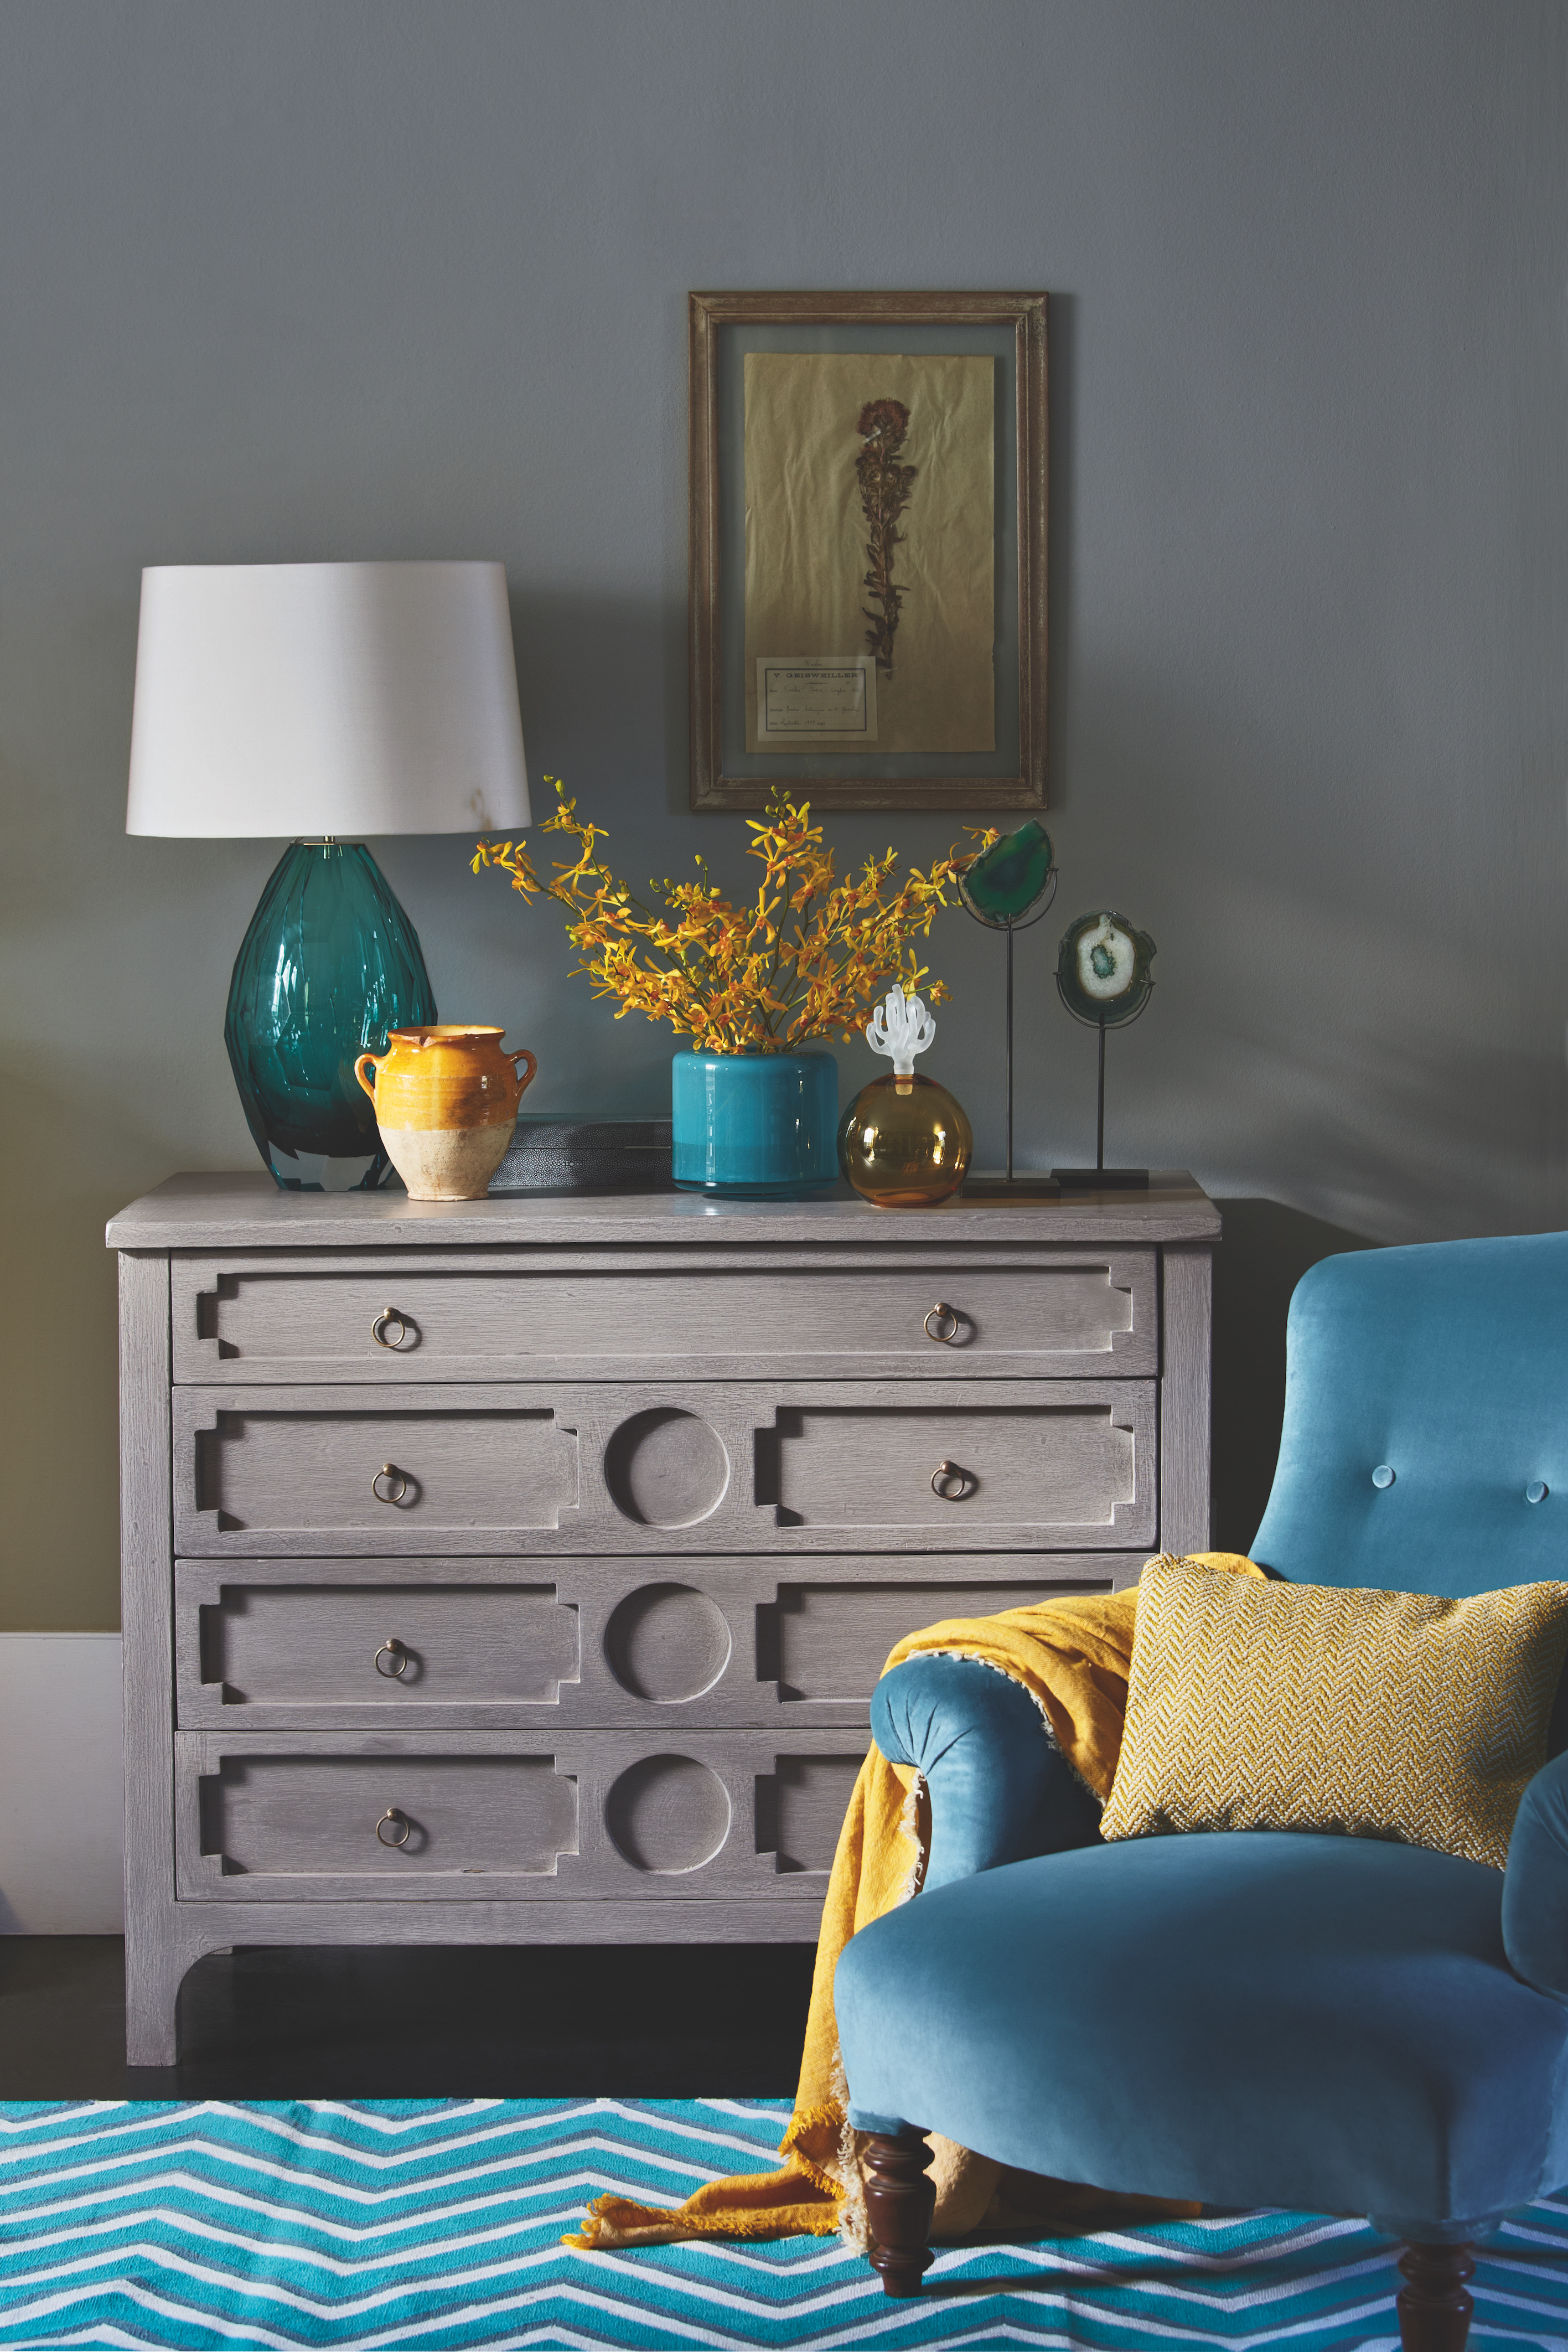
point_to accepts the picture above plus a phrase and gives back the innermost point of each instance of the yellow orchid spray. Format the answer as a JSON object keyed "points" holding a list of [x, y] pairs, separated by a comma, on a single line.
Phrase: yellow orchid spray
{"points": [[808, 957]]}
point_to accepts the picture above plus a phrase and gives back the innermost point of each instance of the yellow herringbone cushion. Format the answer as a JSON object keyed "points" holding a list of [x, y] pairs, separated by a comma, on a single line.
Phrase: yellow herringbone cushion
{"points": [[1255, 1706]]}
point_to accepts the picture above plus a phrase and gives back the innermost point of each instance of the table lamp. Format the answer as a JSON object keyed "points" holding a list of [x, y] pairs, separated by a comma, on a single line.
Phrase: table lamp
{"points": [[323, 701]]}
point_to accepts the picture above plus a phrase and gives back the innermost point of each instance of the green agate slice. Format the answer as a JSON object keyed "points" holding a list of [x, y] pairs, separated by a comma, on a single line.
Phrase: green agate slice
{"points": [[1009, 880], [1102, 969]]}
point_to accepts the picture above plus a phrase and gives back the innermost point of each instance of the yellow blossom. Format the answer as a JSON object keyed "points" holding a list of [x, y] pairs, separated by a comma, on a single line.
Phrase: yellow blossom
{"points": [[808, 959]]}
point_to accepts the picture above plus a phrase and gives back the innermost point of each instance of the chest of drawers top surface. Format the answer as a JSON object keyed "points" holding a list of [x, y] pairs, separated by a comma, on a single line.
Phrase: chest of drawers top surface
{"points": [[243, 1211]]}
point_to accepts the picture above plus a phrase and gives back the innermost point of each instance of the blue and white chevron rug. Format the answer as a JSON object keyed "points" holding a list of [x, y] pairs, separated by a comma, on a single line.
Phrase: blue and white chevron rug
{"points": [[436, 2224]]}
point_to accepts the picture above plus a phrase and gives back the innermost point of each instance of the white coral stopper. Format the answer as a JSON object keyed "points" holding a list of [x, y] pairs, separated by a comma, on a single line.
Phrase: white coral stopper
{"points": [[900, 1028]]}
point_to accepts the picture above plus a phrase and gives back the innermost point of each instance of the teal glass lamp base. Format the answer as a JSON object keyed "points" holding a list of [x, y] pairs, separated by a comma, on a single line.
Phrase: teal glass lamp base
{"points": [[329, 963]]}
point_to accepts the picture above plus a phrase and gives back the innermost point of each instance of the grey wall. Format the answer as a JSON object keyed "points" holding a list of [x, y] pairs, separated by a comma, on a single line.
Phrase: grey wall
{"points": [[310, 279]]}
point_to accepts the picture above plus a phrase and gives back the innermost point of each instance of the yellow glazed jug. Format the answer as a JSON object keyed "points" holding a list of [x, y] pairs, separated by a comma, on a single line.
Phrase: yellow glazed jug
{"points": [[446, 1102]]}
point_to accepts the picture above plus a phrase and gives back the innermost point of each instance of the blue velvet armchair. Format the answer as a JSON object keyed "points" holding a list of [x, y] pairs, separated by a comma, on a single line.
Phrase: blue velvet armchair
{"points": [[1255, 2017]]}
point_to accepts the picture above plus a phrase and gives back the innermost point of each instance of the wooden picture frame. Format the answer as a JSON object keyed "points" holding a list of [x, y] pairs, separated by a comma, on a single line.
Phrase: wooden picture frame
{"points": [[729, 770]]}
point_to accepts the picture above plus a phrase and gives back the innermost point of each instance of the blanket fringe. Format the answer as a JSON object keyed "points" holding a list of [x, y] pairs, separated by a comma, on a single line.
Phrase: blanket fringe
{"points": [[854, 2226], [912, 1826]]}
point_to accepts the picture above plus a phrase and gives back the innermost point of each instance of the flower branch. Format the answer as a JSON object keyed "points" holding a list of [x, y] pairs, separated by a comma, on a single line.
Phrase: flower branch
{"points": [[805, 959]]}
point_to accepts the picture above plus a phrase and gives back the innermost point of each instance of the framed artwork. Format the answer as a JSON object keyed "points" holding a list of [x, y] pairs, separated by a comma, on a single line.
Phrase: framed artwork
{"points": [[868, 508]]}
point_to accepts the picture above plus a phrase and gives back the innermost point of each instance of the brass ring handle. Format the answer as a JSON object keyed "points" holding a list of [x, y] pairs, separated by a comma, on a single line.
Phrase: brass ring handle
{"points": [[388, 1316], [399, 1821], [391, 1648], [389, 1470], [951, 1484], [945, 1314]]}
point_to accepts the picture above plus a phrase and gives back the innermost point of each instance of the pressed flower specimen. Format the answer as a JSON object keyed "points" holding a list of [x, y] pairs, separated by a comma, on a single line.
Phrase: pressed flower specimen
{"points": [[808, 957], [884, 493]]}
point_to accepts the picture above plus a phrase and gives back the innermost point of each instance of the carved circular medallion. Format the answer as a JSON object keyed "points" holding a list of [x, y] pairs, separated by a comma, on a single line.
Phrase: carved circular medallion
{"points": [[666, 1468], [667, 1642], [668, 1813]]}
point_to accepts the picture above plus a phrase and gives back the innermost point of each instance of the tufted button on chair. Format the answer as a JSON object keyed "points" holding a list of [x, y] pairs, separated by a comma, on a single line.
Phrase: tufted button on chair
{"points": [[1337, 2024]]}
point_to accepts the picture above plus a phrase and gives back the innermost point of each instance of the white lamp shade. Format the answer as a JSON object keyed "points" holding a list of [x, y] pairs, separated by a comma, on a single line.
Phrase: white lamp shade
{"points": [[310, 699]]}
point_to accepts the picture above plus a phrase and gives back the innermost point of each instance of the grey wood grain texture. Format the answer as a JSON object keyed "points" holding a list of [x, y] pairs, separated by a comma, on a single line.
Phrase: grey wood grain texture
{"points": [[246, 1211], [694, 1609], [831, 1641], [791, 1915], [1186, 1394], [710, 1642], [325, 1644], [460, 1462], [1028, 1469], [1040, 1313], [287, 1818], [810, 1797], [729, 1466], [156, 1955], [314, 1816]]}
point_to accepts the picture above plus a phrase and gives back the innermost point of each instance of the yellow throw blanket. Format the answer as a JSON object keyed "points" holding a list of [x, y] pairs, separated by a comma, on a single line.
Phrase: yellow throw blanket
{"points": [[1072, 1655]]}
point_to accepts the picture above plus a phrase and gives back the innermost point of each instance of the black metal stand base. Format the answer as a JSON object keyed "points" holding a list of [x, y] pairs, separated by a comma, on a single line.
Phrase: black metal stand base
{"points": [[1102, 1179], [1011, 1188]]}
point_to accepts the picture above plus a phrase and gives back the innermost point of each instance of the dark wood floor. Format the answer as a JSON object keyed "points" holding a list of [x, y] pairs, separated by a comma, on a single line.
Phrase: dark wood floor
{"points": [[638, 2021]]}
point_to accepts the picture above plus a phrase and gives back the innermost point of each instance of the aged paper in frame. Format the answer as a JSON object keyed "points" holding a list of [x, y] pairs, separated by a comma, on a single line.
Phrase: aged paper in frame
{"points": [[868, 496], [806, 699], [868, 483]]}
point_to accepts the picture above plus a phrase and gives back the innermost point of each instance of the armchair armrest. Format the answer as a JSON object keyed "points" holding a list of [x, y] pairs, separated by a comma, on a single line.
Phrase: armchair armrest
{"points": [[1001, 1789], [1535, 1883]]}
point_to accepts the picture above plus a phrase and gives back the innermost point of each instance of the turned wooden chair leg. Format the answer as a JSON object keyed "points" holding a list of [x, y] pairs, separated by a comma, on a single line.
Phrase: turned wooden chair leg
{"points": [[1434, 2309], [899, 2203]]}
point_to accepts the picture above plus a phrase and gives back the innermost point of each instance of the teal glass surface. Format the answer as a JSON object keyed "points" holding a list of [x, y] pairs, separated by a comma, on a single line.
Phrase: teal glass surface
{"points": [[1009, 880], [759, 1126], [329, 963]]}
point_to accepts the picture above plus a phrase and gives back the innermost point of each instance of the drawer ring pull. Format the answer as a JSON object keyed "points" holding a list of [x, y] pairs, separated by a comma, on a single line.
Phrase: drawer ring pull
{"points": [[388, 1471], [951, 1484], [399, 1821], [388, 1316], [391, 1648], [944, 1314]]}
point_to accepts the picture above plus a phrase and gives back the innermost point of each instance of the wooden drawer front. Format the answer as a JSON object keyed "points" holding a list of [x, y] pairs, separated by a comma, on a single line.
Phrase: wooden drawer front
{"points": [[487, 1818], [685, 1468], [468, 1466], [825, 1643], [316, 1816], [316, 1651], [1015, 1313], [1044, 1471], [295, 1644]]}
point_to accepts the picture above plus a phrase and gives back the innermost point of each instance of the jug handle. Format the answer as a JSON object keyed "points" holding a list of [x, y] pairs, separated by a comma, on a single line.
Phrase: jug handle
{"points": [[521, 1055], [368, 1060]]}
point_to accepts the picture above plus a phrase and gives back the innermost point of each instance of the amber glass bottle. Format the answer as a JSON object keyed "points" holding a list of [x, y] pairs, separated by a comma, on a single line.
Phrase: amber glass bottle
{"points": [[904, 1143]]}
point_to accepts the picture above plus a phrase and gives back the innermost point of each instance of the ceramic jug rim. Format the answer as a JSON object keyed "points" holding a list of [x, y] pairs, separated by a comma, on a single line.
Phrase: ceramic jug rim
{"points": [[437, 1032]]}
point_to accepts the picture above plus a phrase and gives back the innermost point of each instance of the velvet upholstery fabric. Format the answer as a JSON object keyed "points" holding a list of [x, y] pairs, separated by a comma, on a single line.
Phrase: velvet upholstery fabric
{"points": [[1249, 2016], [1000, 1790], [1448, 1364], [1535, 1884], [1255, 2017]]}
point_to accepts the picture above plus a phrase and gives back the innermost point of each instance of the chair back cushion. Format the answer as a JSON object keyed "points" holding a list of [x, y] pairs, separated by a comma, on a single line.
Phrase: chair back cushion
{"points": [[1446, 1366], [1390, 1715]]}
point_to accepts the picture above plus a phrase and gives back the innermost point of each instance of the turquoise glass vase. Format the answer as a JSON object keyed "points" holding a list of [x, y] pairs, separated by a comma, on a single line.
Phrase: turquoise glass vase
{"points": [[329, 963], [758, 1127]]}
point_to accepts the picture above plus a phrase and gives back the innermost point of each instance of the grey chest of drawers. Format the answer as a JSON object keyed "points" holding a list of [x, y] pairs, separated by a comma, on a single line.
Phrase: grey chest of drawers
{"points": [[519, 1570]]}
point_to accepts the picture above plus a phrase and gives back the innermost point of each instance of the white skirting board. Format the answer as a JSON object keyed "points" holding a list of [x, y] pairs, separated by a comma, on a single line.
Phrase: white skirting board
{"points": [[61, 1831]]}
